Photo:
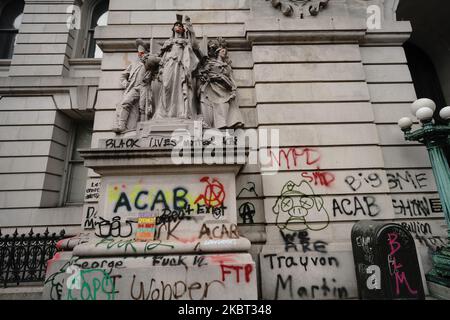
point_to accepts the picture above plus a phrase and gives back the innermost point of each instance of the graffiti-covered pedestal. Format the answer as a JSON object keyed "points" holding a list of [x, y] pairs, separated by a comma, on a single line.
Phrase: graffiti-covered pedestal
{"points": [[162, 230]]}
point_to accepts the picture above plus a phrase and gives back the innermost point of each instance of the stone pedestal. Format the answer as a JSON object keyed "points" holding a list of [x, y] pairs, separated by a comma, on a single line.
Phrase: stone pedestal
{"points": [[192, 248]]}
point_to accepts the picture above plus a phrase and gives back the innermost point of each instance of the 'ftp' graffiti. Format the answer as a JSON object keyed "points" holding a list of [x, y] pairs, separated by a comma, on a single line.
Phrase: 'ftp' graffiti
{"points": [[228, 270]]}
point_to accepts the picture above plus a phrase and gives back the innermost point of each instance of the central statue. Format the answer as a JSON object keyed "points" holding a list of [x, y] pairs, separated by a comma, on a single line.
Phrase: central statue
{"points": [[178, 63], [180, 82]]}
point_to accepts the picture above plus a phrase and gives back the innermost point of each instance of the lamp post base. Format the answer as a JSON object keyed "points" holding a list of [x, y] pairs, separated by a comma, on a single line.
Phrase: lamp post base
{"points": [[440, 273], [438, 291]]}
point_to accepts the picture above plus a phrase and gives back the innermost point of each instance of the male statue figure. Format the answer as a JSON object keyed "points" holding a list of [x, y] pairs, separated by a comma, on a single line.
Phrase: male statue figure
{"points": [[136, 80]]}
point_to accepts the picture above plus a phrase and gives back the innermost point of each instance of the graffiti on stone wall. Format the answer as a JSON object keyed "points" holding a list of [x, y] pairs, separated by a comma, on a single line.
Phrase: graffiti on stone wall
{"points": [[295, 206], [92, 284], [89, 216], [318, 290], [179, 209], [117, 278], [214, 193], [300, 241], [222, 231], [355, 182], [319, 178], [249, 190], [295, 158], [129, 246], [306, 270], [426, 233], [92, 192], [396, 266], [303, 159], [113, 228], [400, 180], [137, 198], [153, 289], [364, 206], [55, 282], [247, 211], [417, 206]]}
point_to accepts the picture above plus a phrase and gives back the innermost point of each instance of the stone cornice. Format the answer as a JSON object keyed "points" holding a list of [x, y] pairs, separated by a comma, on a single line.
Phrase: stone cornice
{"points": [[392, 33], [85, 61], [272, 30], [146, 161], [5, 62], [127, 45], [324, 30], [38, 85]]}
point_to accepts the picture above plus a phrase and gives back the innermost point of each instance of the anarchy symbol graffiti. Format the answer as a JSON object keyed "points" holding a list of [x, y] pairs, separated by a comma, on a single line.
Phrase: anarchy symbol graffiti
{"points": [[246, 212], [214, 194]]}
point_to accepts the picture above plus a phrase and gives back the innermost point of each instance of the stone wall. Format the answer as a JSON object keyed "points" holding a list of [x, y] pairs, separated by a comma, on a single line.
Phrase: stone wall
{"points": [[42, 93], [336, 100]]}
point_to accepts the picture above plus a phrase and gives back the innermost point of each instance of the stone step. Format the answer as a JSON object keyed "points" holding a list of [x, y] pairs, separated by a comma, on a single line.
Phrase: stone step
{"points": [[21, 293]]}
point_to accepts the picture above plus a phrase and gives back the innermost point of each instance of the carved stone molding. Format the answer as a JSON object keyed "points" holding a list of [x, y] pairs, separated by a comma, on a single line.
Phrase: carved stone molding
{"points": [[299, 8]]}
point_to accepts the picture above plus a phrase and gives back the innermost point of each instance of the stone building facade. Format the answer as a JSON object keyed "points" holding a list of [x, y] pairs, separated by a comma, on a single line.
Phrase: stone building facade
{"points": [[334, 85]]}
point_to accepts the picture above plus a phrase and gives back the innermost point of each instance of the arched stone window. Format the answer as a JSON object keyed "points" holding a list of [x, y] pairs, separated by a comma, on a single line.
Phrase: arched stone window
{"points": [[99, 17], [11, 14]]}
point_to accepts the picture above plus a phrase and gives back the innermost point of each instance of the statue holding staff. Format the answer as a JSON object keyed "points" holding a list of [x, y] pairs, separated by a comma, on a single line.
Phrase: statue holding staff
{"points": [[178, 63]]}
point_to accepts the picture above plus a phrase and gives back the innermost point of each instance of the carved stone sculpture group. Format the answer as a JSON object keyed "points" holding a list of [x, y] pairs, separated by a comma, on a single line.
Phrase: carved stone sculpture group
{"points": [[180, 82]]}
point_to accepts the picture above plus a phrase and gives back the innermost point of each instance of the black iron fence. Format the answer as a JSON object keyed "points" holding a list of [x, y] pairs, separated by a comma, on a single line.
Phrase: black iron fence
{"points": [[23, 257]]}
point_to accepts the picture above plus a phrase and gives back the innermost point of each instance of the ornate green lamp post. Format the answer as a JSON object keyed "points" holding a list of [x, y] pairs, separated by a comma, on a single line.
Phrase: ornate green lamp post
{"points": [[434, 137]]}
